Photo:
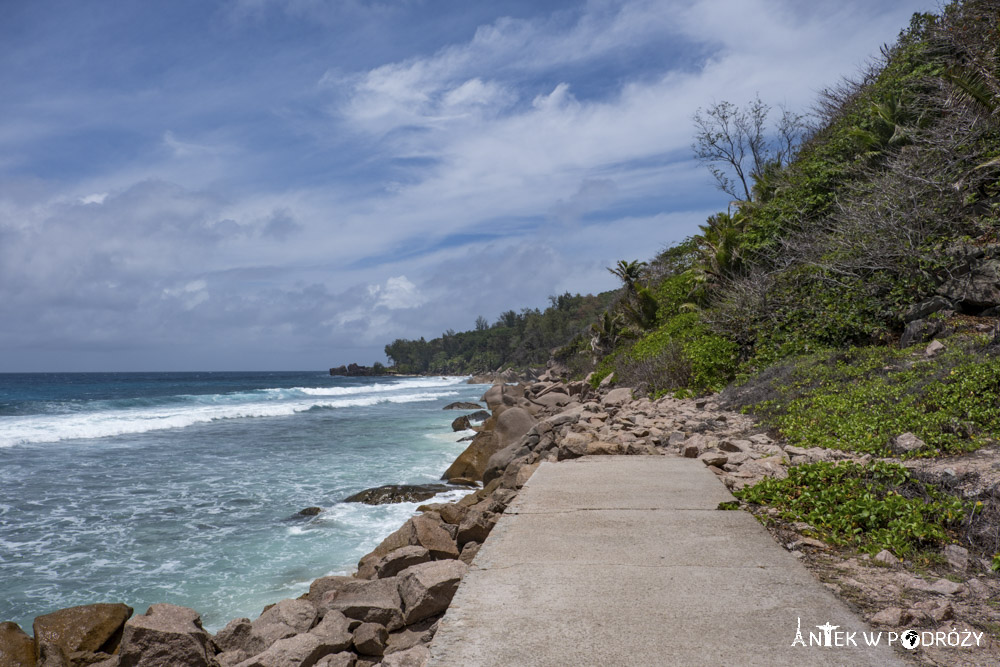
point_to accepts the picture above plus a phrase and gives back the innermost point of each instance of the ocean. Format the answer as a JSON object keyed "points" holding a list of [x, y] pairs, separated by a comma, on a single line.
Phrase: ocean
{"points": [[186, 487]]}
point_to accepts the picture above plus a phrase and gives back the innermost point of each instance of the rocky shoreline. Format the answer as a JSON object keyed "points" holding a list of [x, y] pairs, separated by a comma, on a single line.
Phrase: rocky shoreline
{"points": [[388, 611]]}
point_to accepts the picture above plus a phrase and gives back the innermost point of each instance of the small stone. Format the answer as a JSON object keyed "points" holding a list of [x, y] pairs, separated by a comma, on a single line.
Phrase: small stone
{"points": [[717, 459], [934, 348], [906, 443], [885, 556], [943, 612], [957, 557], [892, 617]]}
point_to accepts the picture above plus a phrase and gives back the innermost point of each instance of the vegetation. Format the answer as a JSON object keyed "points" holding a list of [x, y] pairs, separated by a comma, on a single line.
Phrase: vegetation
{"points": [[515, 340], [870, 507]]}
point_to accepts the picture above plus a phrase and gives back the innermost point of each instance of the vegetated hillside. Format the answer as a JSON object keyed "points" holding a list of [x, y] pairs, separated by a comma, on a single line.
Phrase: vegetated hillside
{"points": [[515, 340], [878, 226], [853, 242]]}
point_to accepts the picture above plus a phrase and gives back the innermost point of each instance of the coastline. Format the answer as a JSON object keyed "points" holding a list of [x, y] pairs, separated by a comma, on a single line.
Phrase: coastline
{"points": [[387, 612]]}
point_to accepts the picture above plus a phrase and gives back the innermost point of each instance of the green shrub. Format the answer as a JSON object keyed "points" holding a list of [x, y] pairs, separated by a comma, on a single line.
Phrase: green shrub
{"points": [[873, 507], [859, 399]]}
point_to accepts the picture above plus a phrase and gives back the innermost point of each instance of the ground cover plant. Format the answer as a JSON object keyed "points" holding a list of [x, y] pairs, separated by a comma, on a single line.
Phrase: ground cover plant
{"points": [[869, 507]]}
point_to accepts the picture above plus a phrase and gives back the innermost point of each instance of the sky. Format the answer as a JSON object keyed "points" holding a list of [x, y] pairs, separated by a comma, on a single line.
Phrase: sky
{"points": [[293, 184]]}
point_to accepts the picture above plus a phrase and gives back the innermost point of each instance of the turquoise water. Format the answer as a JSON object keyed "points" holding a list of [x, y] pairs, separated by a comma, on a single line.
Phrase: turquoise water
{"points": [[185, 487]]}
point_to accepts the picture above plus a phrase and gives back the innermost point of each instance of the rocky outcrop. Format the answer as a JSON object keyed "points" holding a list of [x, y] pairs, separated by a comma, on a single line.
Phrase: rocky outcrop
{"points": [[92, 628], [17, 648], [355, 370], [166, 636], [462, 405], [397, 493]]}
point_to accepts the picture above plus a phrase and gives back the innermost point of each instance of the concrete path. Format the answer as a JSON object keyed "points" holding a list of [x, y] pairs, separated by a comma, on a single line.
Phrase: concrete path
{"points": [[626, 560]]}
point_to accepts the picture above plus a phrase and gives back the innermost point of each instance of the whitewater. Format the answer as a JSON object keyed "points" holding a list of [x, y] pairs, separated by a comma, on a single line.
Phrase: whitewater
{"points": [[186, 487]]}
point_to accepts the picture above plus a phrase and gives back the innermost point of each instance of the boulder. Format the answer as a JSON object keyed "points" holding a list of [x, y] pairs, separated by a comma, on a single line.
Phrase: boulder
{"points": [[460, 423], [906, 443], [284, 619], [512, 424], [501, 459], [471, 464], [238, 637], [919, 311], [335, 629], [396, 561], [324, 584], [427, 589], [476, 527], [92, 627], [370, 639], [368, 601], [469, 551], [421, 531], [310, 511], [919, 331], [957, 557], [421, 632], [166, 636], [418, 656], [617, 397], [303, 650], [462, 405], [977, 289], [397, 493], [552, 400], [892, 617], [51, 655], [17, 648]]}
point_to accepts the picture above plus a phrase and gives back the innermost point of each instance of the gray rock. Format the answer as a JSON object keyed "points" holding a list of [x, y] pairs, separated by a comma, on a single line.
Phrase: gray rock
{"points": [[370, 639], [303, 650], [418, 656], [892, 617], [906, 443], [512, 424], [957, 557], [368, 601], [413, 635], [919, 311], [919, 331], [396, 561], [934, 348], [166, 636], [978, 288], [885, 556], [617, 397], [427, 589], [717, 459]]}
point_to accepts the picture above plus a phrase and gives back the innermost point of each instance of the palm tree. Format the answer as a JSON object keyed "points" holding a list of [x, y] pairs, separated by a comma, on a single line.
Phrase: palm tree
{"points": [[629, 272]]}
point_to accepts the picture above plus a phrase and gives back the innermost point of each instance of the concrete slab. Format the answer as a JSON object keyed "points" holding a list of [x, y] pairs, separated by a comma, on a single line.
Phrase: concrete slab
{"points": [[627, 561]]}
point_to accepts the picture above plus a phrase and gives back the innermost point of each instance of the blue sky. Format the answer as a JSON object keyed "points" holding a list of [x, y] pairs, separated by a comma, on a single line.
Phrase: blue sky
{"points": [[292, 184]]}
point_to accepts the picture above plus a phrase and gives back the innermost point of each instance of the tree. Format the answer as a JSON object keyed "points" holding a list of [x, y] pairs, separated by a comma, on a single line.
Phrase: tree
{"points": [[734, 145], [482, 324], [629, 273]]}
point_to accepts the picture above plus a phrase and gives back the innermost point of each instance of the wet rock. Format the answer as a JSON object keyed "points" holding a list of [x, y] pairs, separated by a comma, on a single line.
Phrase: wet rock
{"points": [[17, 648], [461, 423], [166, 636], [462, 405], [397, 493], [92, 627], [418, 656], [310, 511], [427, 589], [370, 639]]}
